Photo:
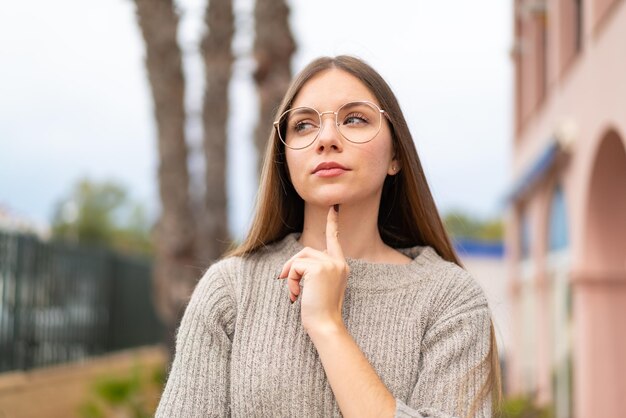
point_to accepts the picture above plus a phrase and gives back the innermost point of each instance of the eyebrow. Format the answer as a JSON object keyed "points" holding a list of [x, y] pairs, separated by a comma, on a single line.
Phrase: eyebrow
{"points": [[337, 107]]}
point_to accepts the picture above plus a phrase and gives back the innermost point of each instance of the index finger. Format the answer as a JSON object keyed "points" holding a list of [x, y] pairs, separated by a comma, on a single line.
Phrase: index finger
{"points": [[332, 232]]}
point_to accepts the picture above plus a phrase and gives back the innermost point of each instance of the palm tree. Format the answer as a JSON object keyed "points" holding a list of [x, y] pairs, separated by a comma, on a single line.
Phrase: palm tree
{"points": [[174, 243], [218, 63], [273, 47], [177, 244]]}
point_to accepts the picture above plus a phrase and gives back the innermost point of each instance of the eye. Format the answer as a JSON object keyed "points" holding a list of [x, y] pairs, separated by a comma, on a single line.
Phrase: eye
{"points": [[355, 119], [303, 126]]}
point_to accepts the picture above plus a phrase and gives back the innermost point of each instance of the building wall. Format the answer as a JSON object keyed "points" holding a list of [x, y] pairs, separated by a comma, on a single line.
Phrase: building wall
{"points": [[570, 87]]}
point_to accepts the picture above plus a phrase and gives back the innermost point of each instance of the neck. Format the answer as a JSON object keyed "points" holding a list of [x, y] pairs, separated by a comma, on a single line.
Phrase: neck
{"points": [[358, 231]]}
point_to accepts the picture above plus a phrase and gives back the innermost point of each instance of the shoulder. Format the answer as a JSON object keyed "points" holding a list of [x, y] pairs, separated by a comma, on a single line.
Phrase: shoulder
{"points": [[212, 302], [221, 278], [218, 273], [450, 286], [460, 285], [266, 256], [234, 272]]}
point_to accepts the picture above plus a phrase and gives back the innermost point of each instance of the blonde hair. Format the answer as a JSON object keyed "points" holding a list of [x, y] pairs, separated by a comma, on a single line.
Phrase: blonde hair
{"points": [[407, 215]]}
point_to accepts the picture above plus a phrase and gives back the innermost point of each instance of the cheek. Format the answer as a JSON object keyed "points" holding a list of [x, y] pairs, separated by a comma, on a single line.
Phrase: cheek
{"points": [[292, 162], [295, 171], [379, 154]]}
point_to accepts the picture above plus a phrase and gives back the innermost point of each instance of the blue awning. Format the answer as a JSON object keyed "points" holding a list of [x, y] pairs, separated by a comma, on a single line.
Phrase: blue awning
{"points": [[534, 172], [468, 247]]}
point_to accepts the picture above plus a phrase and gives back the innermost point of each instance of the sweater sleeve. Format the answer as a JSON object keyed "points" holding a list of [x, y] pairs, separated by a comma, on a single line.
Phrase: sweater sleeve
{"points": [[453, 363], [199, 381]]}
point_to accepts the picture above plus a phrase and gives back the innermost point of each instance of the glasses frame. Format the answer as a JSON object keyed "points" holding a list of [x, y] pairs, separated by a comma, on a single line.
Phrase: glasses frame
{"points": [[336, 113]]}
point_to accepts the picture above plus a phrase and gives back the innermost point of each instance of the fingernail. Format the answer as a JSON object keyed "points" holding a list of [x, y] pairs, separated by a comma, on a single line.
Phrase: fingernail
{"points": [[336, 206], [291, 301], [278, 278]]}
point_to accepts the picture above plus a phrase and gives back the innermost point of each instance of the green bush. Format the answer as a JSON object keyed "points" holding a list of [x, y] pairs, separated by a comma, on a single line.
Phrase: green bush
{"points": [[132, 396], [524, 407]]}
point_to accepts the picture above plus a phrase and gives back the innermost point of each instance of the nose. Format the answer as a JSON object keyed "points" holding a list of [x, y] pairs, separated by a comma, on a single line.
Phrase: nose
{"points": [[329, 137]]}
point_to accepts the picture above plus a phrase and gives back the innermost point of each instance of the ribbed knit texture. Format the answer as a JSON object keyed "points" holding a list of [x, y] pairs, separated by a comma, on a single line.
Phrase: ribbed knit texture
{"points": [[241, 350]]}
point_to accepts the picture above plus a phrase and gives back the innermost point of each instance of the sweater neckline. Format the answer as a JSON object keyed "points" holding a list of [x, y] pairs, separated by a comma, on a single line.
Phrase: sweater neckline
{"points": [[377, 276]]}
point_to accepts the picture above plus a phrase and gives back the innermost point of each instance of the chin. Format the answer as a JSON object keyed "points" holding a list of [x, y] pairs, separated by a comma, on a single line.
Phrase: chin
{"points": [[326, 200], [326, 195], [343, 197]]}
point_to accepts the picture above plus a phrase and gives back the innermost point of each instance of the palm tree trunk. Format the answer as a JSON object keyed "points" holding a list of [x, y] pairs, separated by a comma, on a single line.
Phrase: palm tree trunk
{"points": [[173, 275], [273, 47], [218, 63]]}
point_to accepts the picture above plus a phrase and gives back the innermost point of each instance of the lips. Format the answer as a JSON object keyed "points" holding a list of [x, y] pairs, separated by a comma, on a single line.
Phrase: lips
{"points": [[329, 166], [329, 169]]}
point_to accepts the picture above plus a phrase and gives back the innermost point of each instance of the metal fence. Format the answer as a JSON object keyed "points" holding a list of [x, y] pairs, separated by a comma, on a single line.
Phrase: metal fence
{"points": [[61, 303]]}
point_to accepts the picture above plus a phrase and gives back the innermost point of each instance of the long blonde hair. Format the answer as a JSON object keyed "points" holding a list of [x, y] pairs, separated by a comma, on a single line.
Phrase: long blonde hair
{"points": [[407, 215]]}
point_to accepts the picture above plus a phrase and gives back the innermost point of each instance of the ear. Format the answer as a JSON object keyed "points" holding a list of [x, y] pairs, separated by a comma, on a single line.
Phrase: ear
{"points": [[394, 167]]}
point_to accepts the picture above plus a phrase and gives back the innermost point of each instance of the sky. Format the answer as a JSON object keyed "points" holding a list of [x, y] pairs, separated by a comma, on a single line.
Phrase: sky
{"points": [[75, 101]]}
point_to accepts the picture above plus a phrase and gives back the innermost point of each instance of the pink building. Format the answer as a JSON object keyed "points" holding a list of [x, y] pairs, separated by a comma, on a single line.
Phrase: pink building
{"points": [[566, 227]]}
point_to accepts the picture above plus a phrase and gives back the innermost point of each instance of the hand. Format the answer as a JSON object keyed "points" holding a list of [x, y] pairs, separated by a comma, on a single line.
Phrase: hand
{"points": [[324, 276]]}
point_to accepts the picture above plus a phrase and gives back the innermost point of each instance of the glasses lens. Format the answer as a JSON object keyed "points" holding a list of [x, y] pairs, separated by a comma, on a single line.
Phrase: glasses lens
{"points": [[298, 127], [359, 121]]}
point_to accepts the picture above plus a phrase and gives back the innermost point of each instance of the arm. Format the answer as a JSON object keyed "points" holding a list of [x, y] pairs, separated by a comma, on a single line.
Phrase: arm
{"points": [[453, 365], [451, 372], [198, 384], [355, 384]]}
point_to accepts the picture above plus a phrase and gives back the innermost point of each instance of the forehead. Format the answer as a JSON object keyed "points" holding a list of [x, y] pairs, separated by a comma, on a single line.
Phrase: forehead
{"points": [[332, 88]]}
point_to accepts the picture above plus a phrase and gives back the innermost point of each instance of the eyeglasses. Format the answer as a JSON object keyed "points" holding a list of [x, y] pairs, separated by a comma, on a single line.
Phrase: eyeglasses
{"points": [[358, 122]]}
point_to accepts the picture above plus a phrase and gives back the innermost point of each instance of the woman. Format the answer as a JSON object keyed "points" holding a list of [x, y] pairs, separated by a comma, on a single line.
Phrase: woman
{"points": [[385, 321]]}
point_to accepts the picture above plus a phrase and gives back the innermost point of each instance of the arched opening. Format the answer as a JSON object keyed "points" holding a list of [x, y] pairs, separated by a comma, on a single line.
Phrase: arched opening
{"points": [[600, 287], [605, 227]]}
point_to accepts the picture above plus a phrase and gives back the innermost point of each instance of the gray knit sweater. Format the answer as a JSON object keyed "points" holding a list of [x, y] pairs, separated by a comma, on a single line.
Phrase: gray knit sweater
{"points": [[241, 350]]}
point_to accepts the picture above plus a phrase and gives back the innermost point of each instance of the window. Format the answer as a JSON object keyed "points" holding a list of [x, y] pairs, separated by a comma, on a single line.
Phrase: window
{"points": [[524, 237], [558, 272], [571, 43], [559, 234], [541, 57], [578, 22], [527, 305]]}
